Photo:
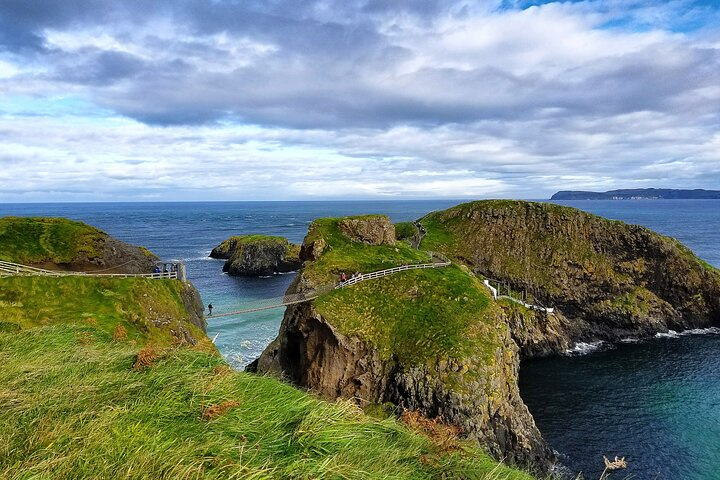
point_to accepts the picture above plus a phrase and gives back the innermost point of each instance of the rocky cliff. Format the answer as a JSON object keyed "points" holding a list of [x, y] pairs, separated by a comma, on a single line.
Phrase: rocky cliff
{"points": [[257, 255], [425, 340], [606, 279]]}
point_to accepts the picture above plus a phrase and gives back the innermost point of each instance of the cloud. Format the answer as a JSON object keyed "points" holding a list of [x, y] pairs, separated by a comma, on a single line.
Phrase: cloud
{"points": [[365, 97]]}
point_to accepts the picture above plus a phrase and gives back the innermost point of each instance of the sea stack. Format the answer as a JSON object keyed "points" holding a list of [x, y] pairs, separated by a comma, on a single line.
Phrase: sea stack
{"points": [[257, 255]]}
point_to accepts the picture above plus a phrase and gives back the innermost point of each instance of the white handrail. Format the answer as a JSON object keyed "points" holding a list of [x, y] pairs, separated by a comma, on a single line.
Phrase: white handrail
{"points": [[384, 273], [16, 269]]}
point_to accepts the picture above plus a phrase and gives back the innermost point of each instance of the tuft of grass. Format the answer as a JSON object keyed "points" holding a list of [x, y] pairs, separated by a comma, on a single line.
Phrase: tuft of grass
{"points": [[31, 240], [72, 410]]}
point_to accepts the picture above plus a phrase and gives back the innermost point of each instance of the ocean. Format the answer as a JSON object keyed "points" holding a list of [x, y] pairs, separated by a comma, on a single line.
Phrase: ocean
{"points": [[656, 402]]}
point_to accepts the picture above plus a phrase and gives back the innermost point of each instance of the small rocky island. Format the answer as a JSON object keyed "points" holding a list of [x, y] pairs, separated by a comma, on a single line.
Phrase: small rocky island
{"points": [[437, 342], [257, 255]]}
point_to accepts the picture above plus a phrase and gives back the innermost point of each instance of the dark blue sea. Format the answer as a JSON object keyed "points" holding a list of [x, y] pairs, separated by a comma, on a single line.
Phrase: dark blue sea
{"points": [[656, 402]]}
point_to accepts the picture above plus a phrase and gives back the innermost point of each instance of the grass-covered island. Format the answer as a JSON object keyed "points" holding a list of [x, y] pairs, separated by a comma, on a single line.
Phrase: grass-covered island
{"points": [[115, 378], [257, 255]]}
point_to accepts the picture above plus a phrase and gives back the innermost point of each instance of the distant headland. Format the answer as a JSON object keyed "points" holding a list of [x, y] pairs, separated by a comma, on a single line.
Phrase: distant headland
{"points": [[639, 194]]}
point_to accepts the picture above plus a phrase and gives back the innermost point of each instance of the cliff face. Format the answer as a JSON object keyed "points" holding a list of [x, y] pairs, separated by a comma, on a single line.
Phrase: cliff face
{"points": [[480, 397], [606, 279], [425, 340], [257, 255]]}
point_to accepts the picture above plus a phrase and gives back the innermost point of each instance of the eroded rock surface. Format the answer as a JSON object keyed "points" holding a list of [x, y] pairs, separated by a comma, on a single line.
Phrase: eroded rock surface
{"points": [[372, 229], [257, 255]]}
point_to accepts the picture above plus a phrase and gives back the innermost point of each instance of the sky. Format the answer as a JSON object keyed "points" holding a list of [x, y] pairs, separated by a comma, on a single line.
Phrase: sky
{"points": [[355, 99]]}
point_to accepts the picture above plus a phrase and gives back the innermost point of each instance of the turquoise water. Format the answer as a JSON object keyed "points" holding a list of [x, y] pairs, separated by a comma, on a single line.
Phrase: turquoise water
{"points": [[657, 402]]}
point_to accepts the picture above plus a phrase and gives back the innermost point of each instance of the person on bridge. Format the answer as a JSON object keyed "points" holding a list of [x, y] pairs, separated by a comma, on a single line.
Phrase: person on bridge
{"points": [[210, 307], [343, 277]]}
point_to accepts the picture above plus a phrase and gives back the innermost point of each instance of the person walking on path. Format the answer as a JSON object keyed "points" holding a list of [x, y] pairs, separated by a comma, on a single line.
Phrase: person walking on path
{"points": [[343, 277]]}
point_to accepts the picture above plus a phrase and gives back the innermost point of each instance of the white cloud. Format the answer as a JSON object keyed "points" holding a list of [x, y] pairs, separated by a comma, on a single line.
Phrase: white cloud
{"points": [[327, 99]]}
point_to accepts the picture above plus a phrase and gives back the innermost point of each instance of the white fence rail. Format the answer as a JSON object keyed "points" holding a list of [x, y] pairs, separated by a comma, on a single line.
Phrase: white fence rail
{"points": [[384, 273], [8, 269]]}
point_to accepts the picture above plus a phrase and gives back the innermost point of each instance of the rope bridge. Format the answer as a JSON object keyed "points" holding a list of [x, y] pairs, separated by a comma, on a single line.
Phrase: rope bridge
{"points": [[9, 269], [294, 298]]}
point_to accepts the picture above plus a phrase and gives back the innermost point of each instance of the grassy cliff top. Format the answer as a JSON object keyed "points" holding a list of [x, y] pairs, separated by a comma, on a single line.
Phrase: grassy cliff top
{"points": [[258, 238], [340, 254], [145, 310], [586, 265], [38, 240], [418, 316], [77, 401]]}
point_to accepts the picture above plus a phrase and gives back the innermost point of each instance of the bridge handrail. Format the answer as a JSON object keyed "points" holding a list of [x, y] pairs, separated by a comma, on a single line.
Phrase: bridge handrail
{"points": [[389, 271]]}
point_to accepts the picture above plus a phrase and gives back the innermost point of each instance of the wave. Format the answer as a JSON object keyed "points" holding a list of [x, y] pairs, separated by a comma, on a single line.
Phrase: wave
{"points": [[583, 348], [630, 340], [692, 331]]}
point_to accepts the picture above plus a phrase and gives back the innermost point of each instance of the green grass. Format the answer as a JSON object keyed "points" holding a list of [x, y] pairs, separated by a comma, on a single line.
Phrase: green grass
{"points": [[292, 250], [72, 406], [419, 316], [405, 230], [343, 255], [37, 240], [106, 302], [495, 232]]}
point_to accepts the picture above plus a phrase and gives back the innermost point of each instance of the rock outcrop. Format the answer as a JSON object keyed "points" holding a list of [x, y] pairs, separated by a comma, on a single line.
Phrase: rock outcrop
{"points": [[310, 352], [257, 255], [369, 229], [606, 279]]}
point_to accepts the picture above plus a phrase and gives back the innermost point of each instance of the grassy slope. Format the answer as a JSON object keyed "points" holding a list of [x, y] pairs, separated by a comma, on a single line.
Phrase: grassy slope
{"points": [[419, 316], [73, 406], [36, 240], [106, 302]]}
